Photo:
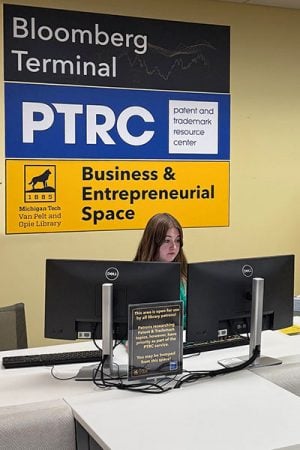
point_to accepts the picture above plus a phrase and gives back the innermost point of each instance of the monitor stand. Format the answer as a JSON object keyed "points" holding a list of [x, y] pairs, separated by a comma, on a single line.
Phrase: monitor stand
{"points": [[255, 332], [110, 370]]}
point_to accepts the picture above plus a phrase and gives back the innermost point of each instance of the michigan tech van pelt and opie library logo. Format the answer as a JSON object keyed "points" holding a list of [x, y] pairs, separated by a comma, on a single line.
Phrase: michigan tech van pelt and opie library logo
{"points": [[39, 183]]}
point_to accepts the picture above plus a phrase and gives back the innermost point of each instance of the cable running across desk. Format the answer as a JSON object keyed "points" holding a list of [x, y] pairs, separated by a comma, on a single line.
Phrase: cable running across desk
{"points": [[161, 385], [196, 375], [165, 384]]}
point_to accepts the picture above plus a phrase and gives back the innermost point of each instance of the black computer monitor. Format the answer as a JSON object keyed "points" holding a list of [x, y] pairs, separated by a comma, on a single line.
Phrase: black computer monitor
{"points": [[220, 293], [73, 297]]}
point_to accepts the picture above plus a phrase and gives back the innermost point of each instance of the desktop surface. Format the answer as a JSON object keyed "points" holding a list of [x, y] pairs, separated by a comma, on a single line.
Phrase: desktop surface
{"points": [[237, 410], [36, 384]]}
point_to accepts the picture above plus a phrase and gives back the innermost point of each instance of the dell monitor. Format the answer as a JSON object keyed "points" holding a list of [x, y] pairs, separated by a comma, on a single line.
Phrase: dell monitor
{"points": [[220, 296], [73, 297]]}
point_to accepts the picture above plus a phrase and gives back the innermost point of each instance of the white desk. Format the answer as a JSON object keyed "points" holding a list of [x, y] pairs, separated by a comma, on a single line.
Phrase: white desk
{"points": [[36, 384], [236, 411], [26, 385]]}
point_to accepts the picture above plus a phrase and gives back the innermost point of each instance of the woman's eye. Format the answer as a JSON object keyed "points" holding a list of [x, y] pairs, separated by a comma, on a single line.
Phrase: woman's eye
{"points": [[169, 241]]}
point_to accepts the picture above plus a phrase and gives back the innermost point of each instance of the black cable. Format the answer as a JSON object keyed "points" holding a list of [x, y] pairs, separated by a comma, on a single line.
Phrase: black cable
{"points": [[107, 381], [148, 387], [194, 376], [97, 346]]}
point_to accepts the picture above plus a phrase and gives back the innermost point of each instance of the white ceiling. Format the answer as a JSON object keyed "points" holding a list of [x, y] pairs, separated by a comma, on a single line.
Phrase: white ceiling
{"points": [[294, 4]]}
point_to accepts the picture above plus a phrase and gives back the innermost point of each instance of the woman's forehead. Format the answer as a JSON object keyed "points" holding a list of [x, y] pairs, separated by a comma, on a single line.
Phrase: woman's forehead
{"points": [[173, 232]]}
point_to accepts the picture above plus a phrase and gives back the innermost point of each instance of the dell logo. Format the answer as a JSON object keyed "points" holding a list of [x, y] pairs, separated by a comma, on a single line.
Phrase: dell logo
{"points": [[112, 273], [247, 270]]}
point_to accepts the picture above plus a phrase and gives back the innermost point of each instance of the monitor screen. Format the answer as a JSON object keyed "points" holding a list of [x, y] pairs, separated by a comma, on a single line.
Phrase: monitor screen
{"points": [[220, 293], [73, 294]]}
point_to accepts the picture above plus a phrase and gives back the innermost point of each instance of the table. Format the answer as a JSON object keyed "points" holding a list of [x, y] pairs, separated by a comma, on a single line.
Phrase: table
{"points": [[233, 411], [239, 410], [236, 411], [27, 385]]}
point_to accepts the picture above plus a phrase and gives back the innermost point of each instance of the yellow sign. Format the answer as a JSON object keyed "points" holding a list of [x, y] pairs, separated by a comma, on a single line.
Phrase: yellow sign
{"points": [[57, 196]]}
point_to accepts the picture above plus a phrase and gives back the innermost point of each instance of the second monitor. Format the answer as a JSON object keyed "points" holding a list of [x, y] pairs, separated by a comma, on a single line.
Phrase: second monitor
{"points": [[220, 296]]}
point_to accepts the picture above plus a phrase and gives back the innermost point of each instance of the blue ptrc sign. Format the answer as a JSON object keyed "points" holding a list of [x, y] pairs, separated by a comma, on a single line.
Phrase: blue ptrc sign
{"points": [[65, 122]]}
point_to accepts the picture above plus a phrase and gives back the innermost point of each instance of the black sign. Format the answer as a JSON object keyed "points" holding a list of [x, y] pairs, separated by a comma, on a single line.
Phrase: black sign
{"points": [[155, 339], [70, 47]]}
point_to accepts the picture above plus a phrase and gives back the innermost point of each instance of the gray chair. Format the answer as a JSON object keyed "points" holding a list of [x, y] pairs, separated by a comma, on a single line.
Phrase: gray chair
{"points": [[13, 333]]}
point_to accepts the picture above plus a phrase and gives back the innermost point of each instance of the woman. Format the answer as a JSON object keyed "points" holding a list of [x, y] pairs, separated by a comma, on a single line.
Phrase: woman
{"points": [[162, 240]]}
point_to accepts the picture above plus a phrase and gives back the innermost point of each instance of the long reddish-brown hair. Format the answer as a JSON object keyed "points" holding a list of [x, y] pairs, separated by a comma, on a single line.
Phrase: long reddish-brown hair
{"points": [[154, 236]]}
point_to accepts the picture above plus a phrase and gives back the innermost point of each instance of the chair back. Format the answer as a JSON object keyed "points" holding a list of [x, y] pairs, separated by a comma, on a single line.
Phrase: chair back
{"points": [[13, 333]]}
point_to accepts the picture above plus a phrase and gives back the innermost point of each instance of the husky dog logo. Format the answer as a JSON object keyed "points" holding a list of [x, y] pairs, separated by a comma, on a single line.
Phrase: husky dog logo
{"points": [[42, 178], [39, 183]]}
